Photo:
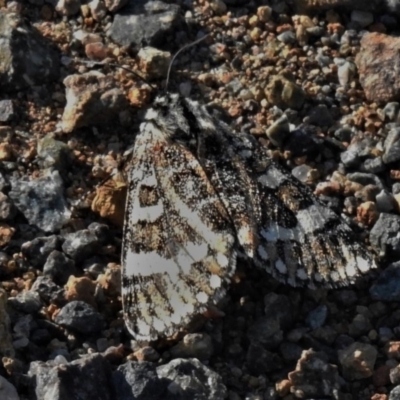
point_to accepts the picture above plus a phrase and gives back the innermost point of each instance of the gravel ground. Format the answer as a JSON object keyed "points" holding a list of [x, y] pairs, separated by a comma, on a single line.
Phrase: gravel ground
{"points": [[316, 82]]}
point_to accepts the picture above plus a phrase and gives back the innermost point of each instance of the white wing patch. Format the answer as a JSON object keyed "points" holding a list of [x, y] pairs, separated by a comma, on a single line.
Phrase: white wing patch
{"points": [[178, 252]]}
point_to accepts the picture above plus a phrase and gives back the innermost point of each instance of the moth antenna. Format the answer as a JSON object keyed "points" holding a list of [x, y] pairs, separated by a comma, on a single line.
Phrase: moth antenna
{"points": [[90, 62], [177, 53]]}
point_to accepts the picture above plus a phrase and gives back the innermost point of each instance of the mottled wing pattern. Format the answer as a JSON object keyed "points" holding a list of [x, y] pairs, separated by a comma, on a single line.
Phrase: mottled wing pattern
{"points": [[278, 221], [233, 183], [179, 249], [302, 242]]}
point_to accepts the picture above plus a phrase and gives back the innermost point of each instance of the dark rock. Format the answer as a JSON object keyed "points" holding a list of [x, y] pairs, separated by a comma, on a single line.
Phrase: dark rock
{"points": [[88, 378], [26, 57], [59, 267], [38, 249], [260, 360], [42, 201], [265, 331], [6, 110], [384, 235], [144, 23], [81, 317], [26, 302], [138, 381], [387, 286], [101, 231], [7, 390], [47, 289], [80, 245], [320, 116], [392, 146], [290, 351], [359, 326], [278, 306], [344, 133], [189, 379], [317, 317]]}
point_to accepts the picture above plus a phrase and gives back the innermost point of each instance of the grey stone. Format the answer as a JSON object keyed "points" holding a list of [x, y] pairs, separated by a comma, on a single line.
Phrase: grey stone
{"points": [[364, 178], [391, 110], [189, 379], [387, 286], [38, 249], [26, 302], [7, 390], [59, 267], [362, 18], [384, 235], [6, 110], [138, 381], [287, 37], [392, 146], [42, 201], [81, 244], [144, 23], [88, 378], [374, 165], [26, 58]]}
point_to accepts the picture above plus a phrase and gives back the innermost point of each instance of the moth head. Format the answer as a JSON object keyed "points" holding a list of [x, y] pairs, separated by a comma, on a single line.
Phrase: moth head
{"points": [[170, 114]]}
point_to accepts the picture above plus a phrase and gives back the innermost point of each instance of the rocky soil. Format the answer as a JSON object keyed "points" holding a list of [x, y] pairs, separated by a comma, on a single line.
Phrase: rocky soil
{"points": [[316, 81]]}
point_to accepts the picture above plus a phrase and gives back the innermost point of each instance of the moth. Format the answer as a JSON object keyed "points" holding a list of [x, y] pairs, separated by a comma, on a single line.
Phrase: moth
{"points": [[199, 196]]}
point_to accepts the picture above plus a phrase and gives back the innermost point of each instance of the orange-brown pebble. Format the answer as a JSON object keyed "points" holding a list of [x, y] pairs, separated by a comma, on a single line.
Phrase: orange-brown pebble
{"points": [[381, 376], [367, 213], [147, 353], [6, 233], [109, 201], [283, 387], [139, 97], [81, 288], [96, 51], [6, 153]]}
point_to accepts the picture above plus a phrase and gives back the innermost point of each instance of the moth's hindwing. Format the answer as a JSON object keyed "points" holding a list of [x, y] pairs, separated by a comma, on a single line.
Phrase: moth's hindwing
{"points": [[179, 249], [301, 241], [278, 221]]}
